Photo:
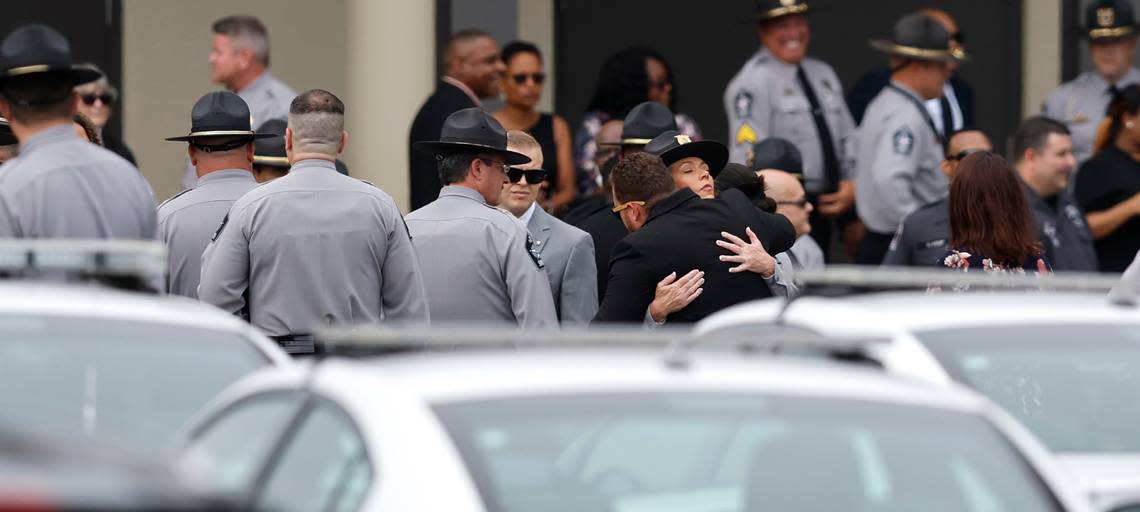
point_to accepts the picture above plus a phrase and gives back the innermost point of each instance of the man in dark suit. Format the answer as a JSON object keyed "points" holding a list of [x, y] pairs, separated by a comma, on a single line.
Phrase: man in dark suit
{"points": [[472, 71], [675, 231], [951, 113]]}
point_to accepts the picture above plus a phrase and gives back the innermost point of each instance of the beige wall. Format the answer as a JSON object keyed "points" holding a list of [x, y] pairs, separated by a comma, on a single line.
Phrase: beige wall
{"points": [[165, 47], [1041, 52], [536, 24]]}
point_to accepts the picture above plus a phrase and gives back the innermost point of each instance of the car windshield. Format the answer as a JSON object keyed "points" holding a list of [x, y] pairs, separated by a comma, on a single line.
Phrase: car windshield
{"points": [[125, 383], [1075, 386], [730, 452]]}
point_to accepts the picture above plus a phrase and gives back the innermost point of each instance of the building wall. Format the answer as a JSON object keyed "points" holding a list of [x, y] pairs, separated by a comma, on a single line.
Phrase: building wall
{"points": [[166, 44]]}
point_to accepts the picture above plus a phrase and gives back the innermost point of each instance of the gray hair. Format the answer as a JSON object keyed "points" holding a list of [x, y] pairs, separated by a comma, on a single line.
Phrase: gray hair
{"points": [[316, 118], [454, 167], [247, 33]]}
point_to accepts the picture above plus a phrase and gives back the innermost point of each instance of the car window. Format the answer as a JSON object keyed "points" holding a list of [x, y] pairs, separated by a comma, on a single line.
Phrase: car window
{"points": [[735, 452], [126, 383], [324, 466], [231, 450], [1067, 383]]}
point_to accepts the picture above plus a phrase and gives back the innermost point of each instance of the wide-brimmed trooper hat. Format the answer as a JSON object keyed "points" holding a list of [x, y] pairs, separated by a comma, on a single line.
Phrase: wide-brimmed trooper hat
{"points": [[920, 37], [40, 50], [672, 147], [645, 122], [472, 129], [220, 114], [1107, 20], [772, 9]]}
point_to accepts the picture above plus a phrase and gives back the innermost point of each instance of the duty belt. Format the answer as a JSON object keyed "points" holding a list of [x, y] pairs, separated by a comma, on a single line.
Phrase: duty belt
{"points": [[297, 344]]}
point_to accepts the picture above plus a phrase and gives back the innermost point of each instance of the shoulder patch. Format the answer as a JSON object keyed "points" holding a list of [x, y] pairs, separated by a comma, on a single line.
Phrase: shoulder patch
{"points": [[742, 105], [173, 197], [746, 134], [221, 227], [903, 141], [533, 251]]}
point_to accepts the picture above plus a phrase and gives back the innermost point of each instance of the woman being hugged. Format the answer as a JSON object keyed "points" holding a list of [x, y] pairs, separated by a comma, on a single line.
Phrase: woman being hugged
{"points": [[991, 228]]}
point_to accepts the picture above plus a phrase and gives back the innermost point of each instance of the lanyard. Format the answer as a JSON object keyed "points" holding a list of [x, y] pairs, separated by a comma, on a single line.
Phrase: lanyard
{"points": [[921, 108]]}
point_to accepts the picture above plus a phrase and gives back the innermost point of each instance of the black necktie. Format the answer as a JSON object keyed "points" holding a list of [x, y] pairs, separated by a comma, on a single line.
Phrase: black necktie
{"points": [[830, 160], [947, 118], [1112, 91]]}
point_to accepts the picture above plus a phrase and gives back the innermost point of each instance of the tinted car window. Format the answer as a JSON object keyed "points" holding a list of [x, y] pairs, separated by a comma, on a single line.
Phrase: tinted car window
{"points": [[323, 467], [233, 448], [131, 384], [1068, 383], [735, 452]]}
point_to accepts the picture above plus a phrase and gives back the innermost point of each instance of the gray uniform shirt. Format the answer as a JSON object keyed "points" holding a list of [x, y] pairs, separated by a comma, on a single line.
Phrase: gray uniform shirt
{"points": [[923, 238], [806, 254], [898, 164], [478, 265], [1081, 105], [188, 220], [1063, 232], [568, 254], [310, 249], [268, 98], [62, 186], [765, 99]]}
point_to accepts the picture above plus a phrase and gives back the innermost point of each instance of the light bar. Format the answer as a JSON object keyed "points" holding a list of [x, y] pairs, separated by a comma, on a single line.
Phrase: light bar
{"points": [[123, 258], [908, 277]]}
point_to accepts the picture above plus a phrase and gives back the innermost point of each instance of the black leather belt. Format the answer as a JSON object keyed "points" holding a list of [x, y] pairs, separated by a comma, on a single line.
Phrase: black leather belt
{"points": [[297, 344]]}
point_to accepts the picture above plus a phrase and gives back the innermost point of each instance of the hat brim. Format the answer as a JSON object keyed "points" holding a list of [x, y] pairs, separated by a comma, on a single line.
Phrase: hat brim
{"points": [[1112, 33], [712, 152], [780, 12], [912, 52], [439, 148], [271, 161], [77, 75], [252, 135]]}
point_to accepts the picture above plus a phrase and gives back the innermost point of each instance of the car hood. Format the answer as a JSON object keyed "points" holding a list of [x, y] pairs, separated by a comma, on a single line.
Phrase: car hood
{"points": [[1108, 479]]}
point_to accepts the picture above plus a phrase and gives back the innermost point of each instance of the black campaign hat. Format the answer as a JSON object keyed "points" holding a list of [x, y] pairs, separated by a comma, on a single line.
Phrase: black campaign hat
{"points": [[779, 154], [472, 129], [772, 9], [645, 122], [1110, 19], [220, 114], [40, 50], [671, 146], [920, 37], [7, 138], [271, 150]]}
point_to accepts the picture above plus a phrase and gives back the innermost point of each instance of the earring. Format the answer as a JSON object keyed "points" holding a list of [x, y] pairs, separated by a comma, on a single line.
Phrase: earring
{"points": [[1129, 125]]}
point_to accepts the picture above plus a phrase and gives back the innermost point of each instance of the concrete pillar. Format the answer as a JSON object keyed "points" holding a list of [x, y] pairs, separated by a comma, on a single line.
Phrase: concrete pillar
{"points": [[536, 24], [1041, 52], [390, 70]]}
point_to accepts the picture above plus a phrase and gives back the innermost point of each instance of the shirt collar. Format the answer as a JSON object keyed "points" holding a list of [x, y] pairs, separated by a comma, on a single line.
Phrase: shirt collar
{"points": [[907, 90], [461, 191], [225, 174], [463, 87], [259, 83], [312, 163], [766, 54], [63, 132], [529, 213]]}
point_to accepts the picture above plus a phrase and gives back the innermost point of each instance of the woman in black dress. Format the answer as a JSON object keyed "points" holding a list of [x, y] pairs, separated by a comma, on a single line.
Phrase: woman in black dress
{"points": [[1108, 184], [991, 228], [96, 100], [522, 88]]}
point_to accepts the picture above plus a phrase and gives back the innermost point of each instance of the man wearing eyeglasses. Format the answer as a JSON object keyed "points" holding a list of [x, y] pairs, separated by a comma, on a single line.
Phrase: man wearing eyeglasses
{"points": [[922, 237], [480, 263], [566, 251]]}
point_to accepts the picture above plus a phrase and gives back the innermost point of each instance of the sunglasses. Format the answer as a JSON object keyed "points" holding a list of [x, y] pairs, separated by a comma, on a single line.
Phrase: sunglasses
{"points": [[89, 99], [533, 176], [963, 154], [627, 204], [520, 78], [659, 84]]}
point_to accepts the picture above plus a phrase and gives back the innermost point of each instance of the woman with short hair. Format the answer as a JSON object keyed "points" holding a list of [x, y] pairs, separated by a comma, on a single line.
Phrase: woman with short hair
{"points": [[96, 100]]}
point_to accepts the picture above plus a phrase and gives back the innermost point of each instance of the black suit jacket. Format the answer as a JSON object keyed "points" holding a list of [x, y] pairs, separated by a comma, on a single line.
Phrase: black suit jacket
{"points": [[606, 229], [680, 236], [876, 79], [424, 173]]}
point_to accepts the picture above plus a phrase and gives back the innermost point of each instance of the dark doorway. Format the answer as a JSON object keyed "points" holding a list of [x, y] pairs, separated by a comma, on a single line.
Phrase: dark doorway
{"points": [[94, 28], [707, 42]]}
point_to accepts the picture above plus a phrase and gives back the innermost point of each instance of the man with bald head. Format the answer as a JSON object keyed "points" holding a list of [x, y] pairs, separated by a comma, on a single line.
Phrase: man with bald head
{"points": [[472, 69], [791, 202], [922, 237]]}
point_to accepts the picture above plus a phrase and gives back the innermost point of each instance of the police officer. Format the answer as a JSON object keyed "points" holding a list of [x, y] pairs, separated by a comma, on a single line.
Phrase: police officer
{"points": [[269, 159], [780, 92], [60, 186], [221, 149], [484, 266], [314, 247], [1082, 102], [1043, 159], [899, 147], [924, 236]]}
